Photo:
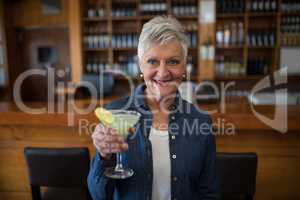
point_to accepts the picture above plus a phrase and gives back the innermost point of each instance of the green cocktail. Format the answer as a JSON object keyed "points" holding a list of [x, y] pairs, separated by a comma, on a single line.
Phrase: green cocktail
{"points": [[120, 120]]}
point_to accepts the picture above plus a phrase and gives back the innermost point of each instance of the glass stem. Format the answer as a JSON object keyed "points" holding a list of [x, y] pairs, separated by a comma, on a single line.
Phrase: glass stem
{"points": [[119, 166]]}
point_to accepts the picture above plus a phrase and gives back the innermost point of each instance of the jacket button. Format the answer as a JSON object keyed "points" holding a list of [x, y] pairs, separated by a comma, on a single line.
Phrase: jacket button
{"points": [[174, 156], [173, 137], [175, 178], [173, 117]]}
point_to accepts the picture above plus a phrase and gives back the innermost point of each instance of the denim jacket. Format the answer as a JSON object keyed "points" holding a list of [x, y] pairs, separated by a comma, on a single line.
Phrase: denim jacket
{"points": [[192, 155]]}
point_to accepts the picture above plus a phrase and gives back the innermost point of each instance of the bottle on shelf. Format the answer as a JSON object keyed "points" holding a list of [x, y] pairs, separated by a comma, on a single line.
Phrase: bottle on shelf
{"points": [[95, 65], [127, 64], [290, 6], [96, 41], [262, 6], [290, 29], [153, 8], [267, 5], [230, 34], [185, 8], [231, 6], [192, 36], [219, 66], [95, 29], [262, 38], [233, 38], [191, 27], [254, 6], [220, 35], [190, 67], [274, 5], [127, 40], [227, 35], [125, 11], [240, 33], [94, 11], [257, 66], [229, 66]]}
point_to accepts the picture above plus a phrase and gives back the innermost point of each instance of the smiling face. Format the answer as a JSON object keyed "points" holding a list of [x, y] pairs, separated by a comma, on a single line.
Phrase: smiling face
{"points": [[163, 67]]}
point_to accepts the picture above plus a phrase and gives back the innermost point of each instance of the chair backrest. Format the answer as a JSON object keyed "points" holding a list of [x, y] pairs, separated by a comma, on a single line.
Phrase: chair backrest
{"points": [[57, 167], [237, 172]]}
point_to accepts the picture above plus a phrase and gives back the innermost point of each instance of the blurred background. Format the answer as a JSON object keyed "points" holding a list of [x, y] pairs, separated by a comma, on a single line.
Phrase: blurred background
{"points": [[239, 41]]}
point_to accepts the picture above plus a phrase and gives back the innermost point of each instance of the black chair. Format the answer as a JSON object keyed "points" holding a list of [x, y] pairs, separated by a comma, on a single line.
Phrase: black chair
{"points": [[237, 172], [58, 173]]}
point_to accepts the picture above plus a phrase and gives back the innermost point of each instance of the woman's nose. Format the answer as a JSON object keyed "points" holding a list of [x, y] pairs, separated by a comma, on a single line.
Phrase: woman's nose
{"points": [[162, 69]]}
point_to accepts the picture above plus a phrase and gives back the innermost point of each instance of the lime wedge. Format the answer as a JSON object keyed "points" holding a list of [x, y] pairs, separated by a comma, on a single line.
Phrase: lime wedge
{"points": [[105, 116]]}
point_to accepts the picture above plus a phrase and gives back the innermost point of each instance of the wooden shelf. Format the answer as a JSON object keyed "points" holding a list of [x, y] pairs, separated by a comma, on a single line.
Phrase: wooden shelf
{"points": [[124, 48], [96, 19], [294, 77], [262, 14], [129, 31], [96, 49], [261, 47], [146, 17], [125, 18], [237, 47], [230, 15], [291, 46], [290, 14], [120, 25], [186, 17]]}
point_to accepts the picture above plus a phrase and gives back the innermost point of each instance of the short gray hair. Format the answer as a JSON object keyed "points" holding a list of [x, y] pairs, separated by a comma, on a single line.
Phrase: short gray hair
{"points": [[162, 29]]}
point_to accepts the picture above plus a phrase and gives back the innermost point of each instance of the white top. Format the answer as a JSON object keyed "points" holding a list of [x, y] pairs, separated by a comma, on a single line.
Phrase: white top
{"points": [[161, 186]]}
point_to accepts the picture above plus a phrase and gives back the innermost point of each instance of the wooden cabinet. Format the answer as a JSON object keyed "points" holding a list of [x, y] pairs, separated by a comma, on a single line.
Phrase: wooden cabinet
{"points": [[110, 31], [103, 34], [249, 37], [3, 57]]}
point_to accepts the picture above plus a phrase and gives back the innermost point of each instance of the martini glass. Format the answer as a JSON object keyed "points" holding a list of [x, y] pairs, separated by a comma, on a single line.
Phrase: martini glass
{"points": [[123, 120]]}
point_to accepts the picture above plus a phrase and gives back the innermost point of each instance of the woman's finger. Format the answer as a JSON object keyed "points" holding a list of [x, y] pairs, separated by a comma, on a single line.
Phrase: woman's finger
{"points": [[113, 138]]}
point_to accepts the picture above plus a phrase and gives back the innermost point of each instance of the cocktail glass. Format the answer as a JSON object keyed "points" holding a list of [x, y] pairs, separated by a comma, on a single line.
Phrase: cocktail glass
{"points": [[123, 120]]}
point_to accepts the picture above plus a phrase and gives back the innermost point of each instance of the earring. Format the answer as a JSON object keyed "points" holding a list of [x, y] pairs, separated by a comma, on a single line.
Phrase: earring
{"points": [[183, 75], [141, 75]]}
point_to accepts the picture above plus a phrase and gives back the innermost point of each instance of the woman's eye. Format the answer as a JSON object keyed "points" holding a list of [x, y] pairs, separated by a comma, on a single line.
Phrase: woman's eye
{"points": [[152, 61], [173, 62]]}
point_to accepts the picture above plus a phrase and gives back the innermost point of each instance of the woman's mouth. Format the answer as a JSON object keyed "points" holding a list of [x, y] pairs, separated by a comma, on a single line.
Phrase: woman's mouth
{"points": [[162, 82]]}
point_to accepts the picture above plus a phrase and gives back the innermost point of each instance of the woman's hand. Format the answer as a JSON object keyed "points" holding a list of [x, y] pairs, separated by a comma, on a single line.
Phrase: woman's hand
{"points": [[107, 141]]}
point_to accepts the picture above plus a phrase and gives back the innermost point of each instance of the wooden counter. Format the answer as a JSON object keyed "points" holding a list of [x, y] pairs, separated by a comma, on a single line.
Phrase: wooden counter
{"points": [[278, 174], [237, 111]]}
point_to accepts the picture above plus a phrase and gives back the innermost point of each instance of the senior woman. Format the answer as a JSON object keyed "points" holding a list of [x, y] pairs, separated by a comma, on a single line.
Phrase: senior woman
{"points": [[173, 151]]}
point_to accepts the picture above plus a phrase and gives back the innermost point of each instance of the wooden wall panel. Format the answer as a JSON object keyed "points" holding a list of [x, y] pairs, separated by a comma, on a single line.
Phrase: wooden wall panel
{"points": [[206, 67], [28, 13], [75, 40], [278, 157], [278, 161], [15, 195]]}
